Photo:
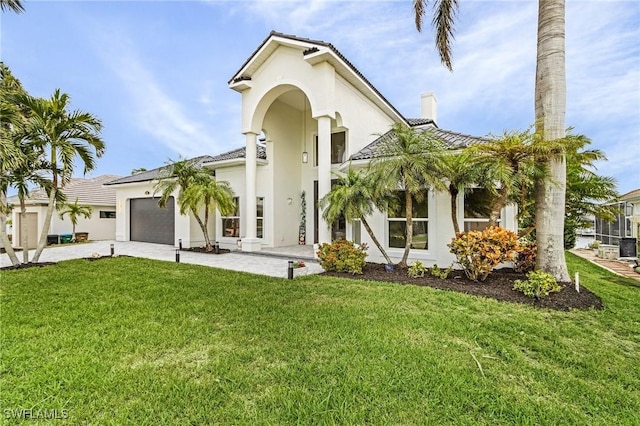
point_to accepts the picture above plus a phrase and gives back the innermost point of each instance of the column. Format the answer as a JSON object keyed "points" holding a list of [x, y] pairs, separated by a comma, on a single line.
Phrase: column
{"points": [[324, 173], [249, 241]]}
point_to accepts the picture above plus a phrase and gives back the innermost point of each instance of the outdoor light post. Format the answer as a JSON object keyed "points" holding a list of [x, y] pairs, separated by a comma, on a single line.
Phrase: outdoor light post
{"points": [[177, 255], [290, 270], [112, 250], [180, 243], [216, 248]]}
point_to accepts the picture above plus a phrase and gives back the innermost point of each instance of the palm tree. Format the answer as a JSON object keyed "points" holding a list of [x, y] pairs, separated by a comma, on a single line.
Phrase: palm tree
{"points": [[21, 178], [354, 195], [196, 188], [550, 109], [13, 5], [205, 192], [509, 161], [12, 118], [407, 160], [66, 135], [176, 175], [462, 171], [444, 17], [75, 211], [587, 193]]}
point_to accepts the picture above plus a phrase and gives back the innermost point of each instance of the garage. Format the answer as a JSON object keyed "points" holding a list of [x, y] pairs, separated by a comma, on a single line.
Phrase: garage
{"points": [[150, 223]]}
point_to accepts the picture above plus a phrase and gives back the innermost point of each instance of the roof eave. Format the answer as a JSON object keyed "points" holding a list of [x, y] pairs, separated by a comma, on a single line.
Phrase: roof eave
{"points": [[323, 52], [233, 162]]}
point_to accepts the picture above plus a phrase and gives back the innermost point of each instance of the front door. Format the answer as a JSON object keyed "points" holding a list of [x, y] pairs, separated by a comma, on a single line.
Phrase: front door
{"points": [[31, 222], [338, 228]]}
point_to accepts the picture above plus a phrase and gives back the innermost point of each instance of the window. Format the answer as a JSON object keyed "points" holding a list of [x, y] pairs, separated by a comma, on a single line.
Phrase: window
{"points": [[106, 214], [397, 224], [356, 236], [628, 209], [477, 208], [338, 148], [231, 223], [259, 217]]}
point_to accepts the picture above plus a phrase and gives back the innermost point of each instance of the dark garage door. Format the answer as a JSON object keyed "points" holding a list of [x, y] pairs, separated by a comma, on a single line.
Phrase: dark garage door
{"points": [[150, 223]]}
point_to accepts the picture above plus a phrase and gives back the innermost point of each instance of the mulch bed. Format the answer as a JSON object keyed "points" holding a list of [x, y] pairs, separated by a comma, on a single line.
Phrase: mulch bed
{"points": [[204, 250], [27, 265], [498, 285], [92, 258]]}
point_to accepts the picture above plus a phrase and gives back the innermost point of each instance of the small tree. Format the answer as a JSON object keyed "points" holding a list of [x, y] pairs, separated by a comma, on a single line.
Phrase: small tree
{"points": [[354, 196], [197, 189], [208, 194], [408, 160], [75, 211], [462, 171], [63, 136]]}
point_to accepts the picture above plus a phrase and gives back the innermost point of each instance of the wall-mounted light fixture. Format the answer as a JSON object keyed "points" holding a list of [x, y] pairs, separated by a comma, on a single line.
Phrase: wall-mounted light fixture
{"points": [[289, 200], [305, 157]]}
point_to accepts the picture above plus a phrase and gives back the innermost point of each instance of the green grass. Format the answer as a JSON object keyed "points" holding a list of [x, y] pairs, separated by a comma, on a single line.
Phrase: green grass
{"points": [[134, 341]]}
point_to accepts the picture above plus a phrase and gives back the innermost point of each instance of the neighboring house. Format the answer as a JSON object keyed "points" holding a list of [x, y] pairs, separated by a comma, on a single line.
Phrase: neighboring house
{"points": [[307, 114], [100, 226], [626, 226]]}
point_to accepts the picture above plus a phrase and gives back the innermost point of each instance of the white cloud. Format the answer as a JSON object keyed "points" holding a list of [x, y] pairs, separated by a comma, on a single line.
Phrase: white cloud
{"points": [[154, 111]]}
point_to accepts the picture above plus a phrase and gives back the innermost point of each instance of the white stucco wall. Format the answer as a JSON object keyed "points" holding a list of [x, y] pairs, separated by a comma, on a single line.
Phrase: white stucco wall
{"points": [[98, 228]]}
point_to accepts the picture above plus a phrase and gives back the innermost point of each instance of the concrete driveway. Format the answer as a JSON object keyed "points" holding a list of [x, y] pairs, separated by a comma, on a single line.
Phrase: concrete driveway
{"points": [[235, 261]]}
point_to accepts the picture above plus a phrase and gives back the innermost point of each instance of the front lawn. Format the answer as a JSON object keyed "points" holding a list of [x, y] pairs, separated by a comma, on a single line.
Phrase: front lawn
{"points": [[135, 341]]}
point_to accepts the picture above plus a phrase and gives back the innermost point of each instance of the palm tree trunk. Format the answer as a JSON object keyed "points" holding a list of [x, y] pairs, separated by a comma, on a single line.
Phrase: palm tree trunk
{"points": [[4, 238], [498, 205], [453, 192], [42, 242], [550, 107], [203, 227], [8, 248], [375, 240], [24, 241], [409, 230]]}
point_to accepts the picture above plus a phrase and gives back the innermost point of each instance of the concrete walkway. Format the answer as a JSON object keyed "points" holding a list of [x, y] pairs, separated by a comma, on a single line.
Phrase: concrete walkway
{"points": [[618, 267], [235, 261]]}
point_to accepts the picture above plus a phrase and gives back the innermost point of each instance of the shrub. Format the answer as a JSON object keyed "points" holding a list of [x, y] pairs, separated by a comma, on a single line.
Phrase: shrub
{"points": [[479, 252], [595, 245], [538, 284], [417, 270], [342, 256], [440, 273], [526, 258]]}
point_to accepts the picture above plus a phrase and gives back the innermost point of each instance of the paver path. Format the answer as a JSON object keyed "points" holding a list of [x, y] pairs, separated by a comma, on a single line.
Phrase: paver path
{"points": [[615, 266], [235, 261]]}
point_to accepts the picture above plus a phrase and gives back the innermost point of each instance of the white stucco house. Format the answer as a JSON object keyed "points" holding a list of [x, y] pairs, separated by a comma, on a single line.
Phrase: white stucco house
{"points": [[91, 192], [307, 114]]}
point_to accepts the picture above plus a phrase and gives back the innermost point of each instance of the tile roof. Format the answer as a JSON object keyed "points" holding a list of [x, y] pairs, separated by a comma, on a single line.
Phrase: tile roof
{"points": [[238, 153], [631, 195], [453, 140], [150, 175], [154, 173], [88, 191]]}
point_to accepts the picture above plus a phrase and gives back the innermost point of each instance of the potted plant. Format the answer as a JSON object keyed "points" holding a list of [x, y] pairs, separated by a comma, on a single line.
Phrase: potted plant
{"points": [[595, 245]]}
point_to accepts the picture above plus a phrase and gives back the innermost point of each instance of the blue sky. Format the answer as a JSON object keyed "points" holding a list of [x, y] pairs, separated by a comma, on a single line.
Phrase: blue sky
{"points": [[156, 72]]}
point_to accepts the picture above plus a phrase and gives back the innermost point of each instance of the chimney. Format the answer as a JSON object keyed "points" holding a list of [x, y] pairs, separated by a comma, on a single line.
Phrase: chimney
{"points": [[429, 106]]}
